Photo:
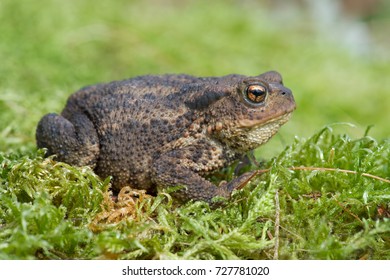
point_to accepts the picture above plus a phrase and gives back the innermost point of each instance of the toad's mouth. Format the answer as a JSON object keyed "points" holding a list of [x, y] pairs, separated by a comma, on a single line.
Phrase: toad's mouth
{"points": [[279, 120]]}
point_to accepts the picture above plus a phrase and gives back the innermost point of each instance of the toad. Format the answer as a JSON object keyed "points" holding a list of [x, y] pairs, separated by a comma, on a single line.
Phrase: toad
{"points": [[168, 130]]}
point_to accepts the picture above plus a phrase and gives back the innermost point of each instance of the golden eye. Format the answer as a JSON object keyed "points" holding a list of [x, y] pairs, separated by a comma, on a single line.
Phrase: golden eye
{"points": [[256, 94]]}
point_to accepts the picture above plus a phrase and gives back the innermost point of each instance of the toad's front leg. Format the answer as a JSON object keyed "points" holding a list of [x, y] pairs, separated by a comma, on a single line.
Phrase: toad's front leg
{"points": [[169, 170]]}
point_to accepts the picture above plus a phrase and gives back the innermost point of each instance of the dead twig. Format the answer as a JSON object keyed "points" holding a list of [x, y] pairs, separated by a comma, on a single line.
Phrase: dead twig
{"points": [[347, 210], [277, 225], [309, 168]]}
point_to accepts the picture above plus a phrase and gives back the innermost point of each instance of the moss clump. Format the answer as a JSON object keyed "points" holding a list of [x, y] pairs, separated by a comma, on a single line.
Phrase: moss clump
{"points": [[53, 210]]}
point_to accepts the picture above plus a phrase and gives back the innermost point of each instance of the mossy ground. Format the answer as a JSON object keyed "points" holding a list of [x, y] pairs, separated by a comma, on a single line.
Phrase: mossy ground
{"points": [[50, 210]]}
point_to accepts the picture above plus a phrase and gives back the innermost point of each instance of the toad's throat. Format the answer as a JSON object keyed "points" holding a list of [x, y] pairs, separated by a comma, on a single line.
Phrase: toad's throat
{"points": [[250, 134]]}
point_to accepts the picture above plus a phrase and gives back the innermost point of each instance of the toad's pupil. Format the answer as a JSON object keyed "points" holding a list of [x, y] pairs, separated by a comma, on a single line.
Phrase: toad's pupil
{"points": [[256, 93]]}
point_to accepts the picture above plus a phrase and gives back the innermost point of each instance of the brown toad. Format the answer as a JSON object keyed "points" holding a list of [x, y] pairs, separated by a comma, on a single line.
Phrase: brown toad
{"points": [[168, 130]]}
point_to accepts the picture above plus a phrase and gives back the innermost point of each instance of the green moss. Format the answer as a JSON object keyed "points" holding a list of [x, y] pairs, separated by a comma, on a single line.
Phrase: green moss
{"points": [[342, 221], [39, 213], [52, 210]]}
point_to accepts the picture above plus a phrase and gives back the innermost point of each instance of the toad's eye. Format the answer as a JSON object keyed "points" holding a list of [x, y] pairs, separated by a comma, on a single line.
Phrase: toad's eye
{"points": [[255, 94]]}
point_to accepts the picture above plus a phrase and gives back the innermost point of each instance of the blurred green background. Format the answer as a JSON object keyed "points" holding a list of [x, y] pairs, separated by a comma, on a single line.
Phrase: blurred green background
{"points": [[334, 55]]}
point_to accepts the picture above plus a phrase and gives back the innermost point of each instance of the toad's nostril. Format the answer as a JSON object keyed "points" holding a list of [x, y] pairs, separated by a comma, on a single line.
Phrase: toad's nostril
{"points": [[285, 91]]}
